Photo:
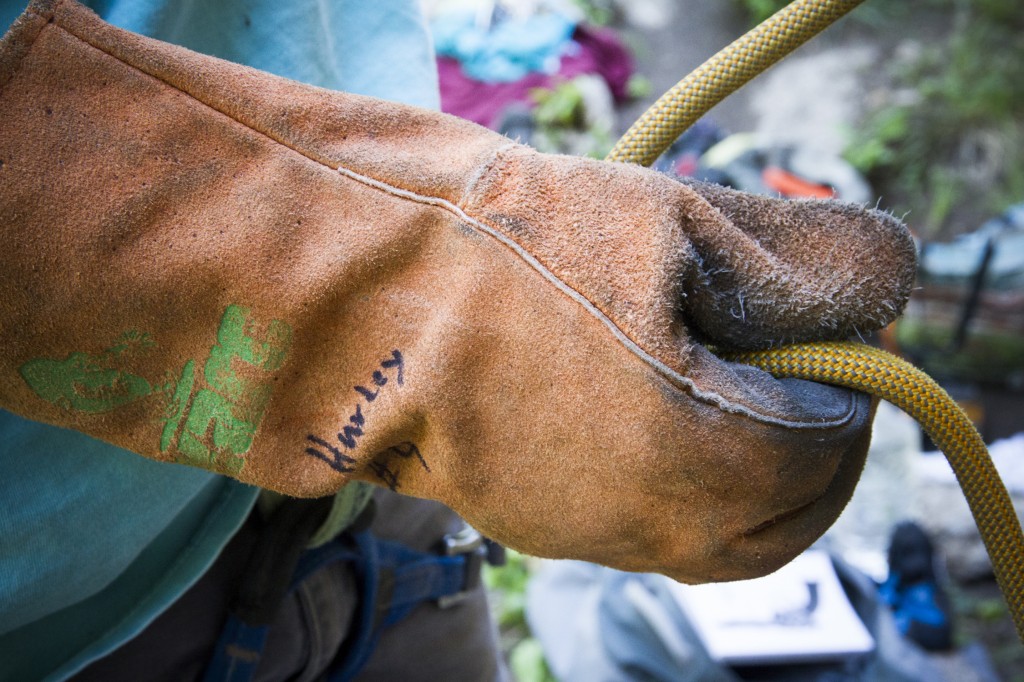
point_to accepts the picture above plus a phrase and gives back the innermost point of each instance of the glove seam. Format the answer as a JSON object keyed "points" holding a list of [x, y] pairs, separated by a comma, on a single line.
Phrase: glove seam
{"points": [[9, 44], [688, 384], [680, 381], [496, 160]]}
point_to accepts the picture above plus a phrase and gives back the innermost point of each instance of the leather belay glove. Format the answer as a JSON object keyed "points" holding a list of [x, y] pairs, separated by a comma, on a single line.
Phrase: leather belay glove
{"points": [[210, 265]]}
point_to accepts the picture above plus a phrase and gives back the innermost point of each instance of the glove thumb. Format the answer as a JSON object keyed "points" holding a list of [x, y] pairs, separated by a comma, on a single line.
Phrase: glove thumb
{"points": [[771, 271]]}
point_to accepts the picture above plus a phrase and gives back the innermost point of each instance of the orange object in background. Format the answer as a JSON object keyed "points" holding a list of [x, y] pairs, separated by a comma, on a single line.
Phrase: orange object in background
{"points": [[789, 185]]}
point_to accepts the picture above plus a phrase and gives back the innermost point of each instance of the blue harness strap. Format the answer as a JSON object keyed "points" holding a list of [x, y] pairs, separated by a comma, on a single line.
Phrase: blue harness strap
{"points": [[392, 579]]}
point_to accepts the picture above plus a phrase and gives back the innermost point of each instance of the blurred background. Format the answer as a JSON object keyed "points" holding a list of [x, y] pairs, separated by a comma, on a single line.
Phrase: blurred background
{"points": [[917, 108]]}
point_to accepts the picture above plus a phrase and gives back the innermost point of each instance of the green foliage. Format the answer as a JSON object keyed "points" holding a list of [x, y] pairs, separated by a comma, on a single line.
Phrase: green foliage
{"points": [[559, 107], [990, 609], [562, 123], [639, 87], [880, 135], [872, 13], [596, 12], [759, 10], [527, 662], [948, 147], [507, 587]]}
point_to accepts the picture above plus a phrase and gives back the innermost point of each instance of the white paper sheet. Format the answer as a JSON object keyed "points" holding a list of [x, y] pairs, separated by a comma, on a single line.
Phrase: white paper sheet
{"points": [[798, 613]]}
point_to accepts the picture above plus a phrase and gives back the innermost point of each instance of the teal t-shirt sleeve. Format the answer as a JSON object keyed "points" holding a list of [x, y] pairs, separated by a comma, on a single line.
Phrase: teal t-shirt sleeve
{"points": [[95, 542], [76, 513]]}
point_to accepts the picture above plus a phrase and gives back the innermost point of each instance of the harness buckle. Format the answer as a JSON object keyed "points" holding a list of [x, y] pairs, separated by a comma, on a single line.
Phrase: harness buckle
{"points": [[469, 544]]}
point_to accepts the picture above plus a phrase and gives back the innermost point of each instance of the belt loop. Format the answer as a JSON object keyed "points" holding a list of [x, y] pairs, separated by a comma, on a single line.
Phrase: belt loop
{"points": [[238, 652]]}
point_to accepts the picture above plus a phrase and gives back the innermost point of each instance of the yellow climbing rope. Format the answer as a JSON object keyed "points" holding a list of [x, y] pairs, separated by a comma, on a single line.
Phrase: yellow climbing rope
{"points": [[723, 74], [856, 366]]}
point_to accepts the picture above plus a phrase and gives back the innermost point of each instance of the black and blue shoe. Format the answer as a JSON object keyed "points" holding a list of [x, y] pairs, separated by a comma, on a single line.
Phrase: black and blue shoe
{"points": [[919, 604]]}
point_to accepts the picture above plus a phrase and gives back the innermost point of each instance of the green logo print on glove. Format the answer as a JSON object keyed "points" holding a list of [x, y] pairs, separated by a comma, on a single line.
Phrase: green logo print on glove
{"points": [[211, 425], [90, 383]]}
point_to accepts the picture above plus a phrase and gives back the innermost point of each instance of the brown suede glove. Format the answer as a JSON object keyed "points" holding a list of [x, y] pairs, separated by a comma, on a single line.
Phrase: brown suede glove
{"points": [[210, 265]]}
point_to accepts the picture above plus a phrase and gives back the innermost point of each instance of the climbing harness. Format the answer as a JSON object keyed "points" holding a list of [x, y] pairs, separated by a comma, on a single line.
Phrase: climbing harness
{"points": [[391, 578], [852, 365]]}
